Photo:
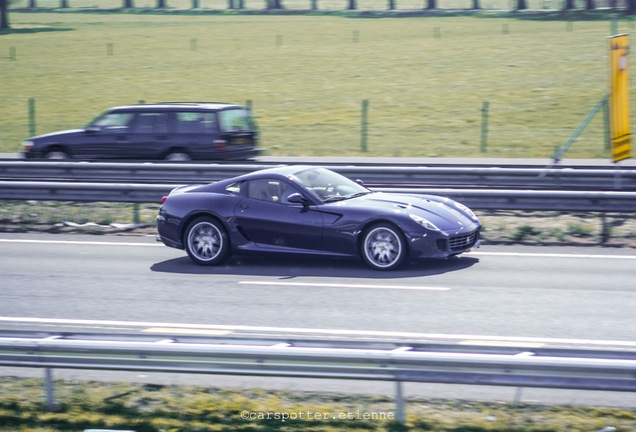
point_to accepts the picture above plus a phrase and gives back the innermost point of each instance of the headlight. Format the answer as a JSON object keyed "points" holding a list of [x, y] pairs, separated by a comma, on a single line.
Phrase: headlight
{"points": [[466, 210], [27, 145], [424, 222]]}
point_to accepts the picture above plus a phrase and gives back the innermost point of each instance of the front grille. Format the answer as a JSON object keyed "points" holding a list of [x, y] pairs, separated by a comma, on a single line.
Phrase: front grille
{"points": [[460, 242]]}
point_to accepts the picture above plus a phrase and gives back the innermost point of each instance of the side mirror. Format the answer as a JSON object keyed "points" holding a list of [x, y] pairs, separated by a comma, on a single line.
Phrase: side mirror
{"points": [[92, 129], [360, 182], [297, 198]]}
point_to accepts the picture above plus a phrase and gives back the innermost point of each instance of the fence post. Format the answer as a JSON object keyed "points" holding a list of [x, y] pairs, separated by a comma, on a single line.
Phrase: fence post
{"points": [[364, 125], [31, 116], [484, 126]]}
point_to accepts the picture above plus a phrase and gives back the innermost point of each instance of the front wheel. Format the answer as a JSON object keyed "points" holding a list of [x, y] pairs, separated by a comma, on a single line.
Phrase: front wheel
{"points": [[57, 154], [206, 241], [383, 247]]}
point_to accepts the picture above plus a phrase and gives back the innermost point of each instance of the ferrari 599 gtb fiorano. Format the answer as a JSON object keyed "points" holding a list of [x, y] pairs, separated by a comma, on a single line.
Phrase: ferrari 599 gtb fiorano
{"points": [[312, 210]]}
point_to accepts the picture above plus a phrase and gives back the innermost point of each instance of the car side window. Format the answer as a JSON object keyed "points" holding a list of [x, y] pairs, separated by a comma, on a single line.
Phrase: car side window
{"points": [[271, 190], [196, 122], [235, 188], [151, 123]]}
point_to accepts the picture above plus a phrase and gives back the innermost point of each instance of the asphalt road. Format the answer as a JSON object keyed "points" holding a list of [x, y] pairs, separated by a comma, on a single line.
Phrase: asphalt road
{"points": [[538, 296]]}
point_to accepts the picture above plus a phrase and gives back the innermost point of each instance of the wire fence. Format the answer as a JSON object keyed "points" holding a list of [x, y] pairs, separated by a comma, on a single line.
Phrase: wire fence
{"points": [[350, 127], [325, 5]]}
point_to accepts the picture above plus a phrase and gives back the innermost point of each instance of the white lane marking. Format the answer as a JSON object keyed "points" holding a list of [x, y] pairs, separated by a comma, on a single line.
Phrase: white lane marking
{"points": [[333, 332], [187, 331], [79, 242], [502, 343], [481, 253], [553, 255], [336, 285]]}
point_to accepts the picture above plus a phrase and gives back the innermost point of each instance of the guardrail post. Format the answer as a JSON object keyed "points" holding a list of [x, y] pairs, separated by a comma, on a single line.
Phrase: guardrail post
{"points": [[605, 230], [518, 395], [399, 403], [50, 392], [136, 218]]}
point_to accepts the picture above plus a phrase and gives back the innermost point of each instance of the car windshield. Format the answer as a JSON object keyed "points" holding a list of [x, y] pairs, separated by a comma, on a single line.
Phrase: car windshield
{"points": [[327, 185], [111, 120]]}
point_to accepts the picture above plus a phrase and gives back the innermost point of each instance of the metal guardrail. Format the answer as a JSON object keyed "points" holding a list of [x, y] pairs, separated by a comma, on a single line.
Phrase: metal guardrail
{"points": [[479, 199], [611, 371], [529, 177], [484, 188]]}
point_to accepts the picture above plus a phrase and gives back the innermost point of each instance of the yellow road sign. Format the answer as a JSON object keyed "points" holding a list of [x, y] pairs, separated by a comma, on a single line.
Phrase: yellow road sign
{"points": [[620, 128]]}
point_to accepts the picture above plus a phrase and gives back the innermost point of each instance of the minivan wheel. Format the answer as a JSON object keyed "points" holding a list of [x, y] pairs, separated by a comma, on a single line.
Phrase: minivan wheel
{"points": [[57, 154], [206, 241], [383, 247], [178, 156]]}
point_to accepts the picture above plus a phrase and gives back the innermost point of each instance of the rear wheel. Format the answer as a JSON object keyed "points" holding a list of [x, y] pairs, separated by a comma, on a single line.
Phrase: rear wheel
{"points": [[206, 241], [178, 156], [383, 247]]}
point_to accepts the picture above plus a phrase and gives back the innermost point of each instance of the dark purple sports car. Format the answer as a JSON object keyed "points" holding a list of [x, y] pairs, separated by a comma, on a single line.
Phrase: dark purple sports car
{"points": [[312, 210]]}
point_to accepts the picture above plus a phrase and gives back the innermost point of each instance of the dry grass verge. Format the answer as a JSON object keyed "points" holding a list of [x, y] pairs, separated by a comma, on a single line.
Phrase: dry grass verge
{"points": [[145, 408], [500, 227]]}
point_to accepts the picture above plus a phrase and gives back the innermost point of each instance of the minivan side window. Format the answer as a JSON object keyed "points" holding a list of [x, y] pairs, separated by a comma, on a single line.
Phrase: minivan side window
{"points": [[234, 120]]}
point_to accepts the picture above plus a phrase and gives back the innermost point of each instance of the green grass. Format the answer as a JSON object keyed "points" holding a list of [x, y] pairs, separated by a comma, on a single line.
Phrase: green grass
{"points": [[128, 406], [306, 77]]}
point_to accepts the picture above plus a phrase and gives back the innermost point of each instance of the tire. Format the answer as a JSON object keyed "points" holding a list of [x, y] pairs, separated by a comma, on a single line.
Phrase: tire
{"points": [[206, 241], [57, 153], [383, 247], [178, 156]]}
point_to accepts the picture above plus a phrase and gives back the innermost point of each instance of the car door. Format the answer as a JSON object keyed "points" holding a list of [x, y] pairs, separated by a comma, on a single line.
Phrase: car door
{"points": [[266, 218], [148, 138], [105, 137]]}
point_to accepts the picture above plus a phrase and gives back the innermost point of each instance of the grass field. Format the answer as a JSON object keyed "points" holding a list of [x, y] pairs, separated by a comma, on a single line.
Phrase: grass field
{"points": [[426, 78]]}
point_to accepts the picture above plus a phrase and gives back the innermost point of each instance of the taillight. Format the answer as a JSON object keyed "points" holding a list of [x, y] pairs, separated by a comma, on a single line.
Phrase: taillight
{"points": [[164, 198]]}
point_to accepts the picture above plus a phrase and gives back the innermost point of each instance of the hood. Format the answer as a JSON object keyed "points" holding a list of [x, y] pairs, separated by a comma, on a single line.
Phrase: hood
{"points": [[53, 135], [438, 210]]}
